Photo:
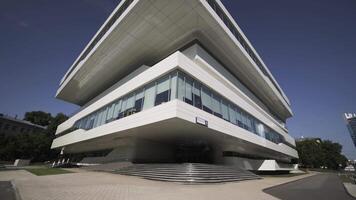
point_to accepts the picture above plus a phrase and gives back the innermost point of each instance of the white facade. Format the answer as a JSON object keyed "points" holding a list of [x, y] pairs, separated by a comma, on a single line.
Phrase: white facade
{"points": [[170, 77]]}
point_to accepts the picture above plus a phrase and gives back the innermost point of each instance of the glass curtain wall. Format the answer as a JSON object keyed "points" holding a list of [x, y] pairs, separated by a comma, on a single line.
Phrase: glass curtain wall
{"points": [[178, 85]]}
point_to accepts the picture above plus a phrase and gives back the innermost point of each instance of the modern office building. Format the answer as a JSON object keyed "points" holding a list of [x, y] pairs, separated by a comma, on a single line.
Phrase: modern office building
{"points": [[175, 81], [351, 125], [13, 126]]}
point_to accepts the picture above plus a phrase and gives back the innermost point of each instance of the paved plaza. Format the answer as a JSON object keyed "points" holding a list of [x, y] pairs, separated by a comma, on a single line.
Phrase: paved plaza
{"points": [[89, 185]]}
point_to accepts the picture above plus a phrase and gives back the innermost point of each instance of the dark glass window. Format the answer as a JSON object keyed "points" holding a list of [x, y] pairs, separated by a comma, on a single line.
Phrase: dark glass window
{"points": [[197, 95], [138, 105], [162, 97], [188, 90]]}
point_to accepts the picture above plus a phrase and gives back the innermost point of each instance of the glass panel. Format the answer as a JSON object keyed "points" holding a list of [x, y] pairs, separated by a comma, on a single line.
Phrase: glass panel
{"points": [[163, 90], [239, 118], [173, 85], [188, 90], [232, 114], [110, 112], [96, 120], [117, 109], [130, 102], [206, 99], [139, 101], [253, 126], [123, 108], [260, 129], [149, 96], [196, 95], [216, 105], [91, 121], [103, 117], [84, 121], [224, 110], [244, 120], [181, 86]]}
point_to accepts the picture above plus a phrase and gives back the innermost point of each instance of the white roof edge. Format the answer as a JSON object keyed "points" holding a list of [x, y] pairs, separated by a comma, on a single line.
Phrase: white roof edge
{"points": [[92, 39]]}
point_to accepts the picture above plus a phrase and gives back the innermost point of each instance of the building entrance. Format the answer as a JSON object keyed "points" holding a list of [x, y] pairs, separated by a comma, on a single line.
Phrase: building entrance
{"points": [[193, 153]]}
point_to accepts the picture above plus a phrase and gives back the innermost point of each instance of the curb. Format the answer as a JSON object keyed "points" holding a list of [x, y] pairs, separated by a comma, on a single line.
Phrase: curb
{"points": [[347, 191], [16, 191]]}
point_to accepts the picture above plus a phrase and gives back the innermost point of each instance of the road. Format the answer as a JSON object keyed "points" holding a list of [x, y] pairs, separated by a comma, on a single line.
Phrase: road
{"points": [[6, 191], [321, 186]]}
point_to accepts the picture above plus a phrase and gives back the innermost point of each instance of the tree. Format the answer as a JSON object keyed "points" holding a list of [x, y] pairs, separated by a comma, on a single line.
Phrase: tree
{"points": [[310, 153], [38, 117], [315, 153], [34, 146], [55, 122]]}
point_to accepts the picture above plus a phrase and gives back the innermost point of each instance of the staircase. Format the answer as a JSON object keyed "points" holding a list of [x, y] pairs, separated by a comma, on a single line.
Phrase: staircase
{"points": [[188, 172]]}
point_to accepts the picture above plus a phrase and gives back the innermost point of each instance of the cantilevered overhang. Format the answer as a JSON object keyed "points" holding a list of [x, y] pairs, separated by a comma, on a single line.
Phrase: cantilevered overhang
{"points": [[146, 31]]}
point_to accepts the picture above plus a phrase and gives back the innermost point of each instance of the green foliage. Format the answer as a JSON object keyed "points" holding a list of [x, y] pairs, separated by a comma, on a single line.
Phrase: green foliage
{"points": [[316, 153], [34, 146], [48, 171], [38, 117]]}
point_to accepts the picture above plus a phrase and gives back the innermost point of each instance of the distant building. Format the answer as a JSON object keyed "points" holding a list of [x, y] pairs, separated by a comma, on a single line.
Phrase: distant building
{"points": [[13, 126], [351, 125]]}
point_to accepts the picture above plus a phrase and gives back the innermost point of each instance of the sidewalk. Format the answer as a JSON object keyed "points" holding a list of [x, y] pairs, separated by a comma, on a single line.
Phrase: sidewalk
{"points": [[351, 189], [90, 185]]}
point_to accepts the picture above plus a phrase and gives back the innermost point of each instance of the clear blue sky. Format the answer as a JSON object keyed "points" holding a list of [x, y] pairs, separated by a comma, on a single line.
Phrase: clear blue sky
{"points": [[310, 47]]}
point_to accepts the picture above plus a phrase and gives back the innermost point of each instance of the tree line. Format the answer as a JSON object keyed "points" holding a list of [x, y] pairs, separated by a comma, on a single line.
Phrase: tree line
{"points": [[317, 153], [34, 146]]}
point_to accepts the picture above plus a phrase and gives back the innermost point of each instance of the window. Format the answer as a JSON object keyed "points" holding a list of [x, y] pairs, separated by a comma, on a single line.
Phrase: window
{"points": [[96, 119], [188, 98], [206, 99], [224, 110], [232, 114], [149, 96], [91, 121], [117, 109], [216, 105], [130, 103], [103, 116], [181, 86], [123, 108], [139, 99], [173, 77], [162, 94], [196, 95], [109, 116]]}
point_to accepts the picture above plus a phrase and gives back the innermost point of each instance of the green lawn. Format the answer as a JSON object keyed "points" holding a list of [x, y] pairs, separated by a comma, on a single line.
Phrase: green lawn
{"points": [[345, 178], [48, 171]]}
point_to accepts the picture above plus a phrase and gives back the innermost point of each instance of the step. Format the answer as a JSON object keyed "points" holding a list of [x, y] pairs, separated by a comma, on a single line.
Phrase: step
{"points": [[188, 172]]}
